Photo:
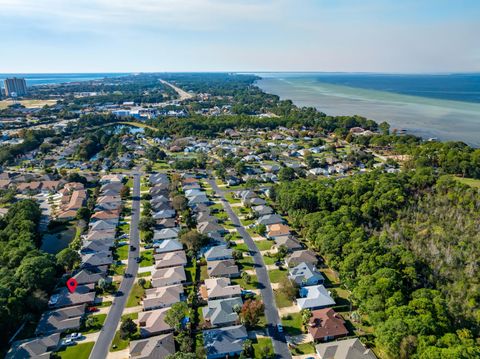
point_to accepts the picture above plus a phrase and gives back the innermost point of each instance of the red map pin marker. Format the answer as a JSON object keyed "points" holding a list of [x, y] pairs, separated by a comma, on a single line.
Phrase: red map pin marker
{"points": [[72, 284]]}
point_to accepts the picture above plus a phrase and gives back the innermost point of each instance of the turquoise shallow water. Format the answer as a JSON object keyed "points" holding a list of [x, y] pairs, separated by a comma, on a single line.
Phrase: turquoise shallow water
{"points": [[427, 117]]}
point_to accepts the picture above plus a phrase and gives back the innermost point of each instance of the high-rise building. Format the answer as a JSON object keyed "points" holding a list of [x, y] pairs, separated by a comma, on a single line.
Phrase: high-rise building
{"points": [[15, 87]]}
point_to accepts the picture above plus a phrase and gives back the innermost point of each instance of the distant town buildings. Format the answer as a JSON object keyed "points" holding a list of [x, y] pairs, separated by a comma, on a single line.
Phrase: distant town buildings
{"points": [[15, 87]]}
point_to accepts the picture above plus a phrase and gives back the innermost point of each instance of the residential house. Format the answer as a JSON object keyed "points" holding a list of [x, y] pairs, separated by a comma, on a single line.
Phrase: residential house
{"points": [[305, 274], [162, 297], [222, 312], [314, 297], [224, 342], [167, 245], [170, 259], [168, 276], [158, 347], [344, 349], [218, 253], [166, 233], [91, 275], [60, 320], [278, 230], [83, 294], [288, 241], [223, 268], [326, 324], [270, 219], [153, 322], [219, 288], [303, 256], [38, 348]]}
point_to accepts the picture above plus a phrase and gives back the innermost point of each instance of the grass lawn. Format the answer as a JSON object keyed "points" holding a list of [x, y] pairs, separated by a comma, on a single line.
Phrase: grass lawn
{"points": [[118, 269], [305, 348], [268, 260], [135, 296], [99, 319], [144, 274], [190, 272], [230, 199], [79, 351], [281, 299], [147, 258], [203, 273], [124, 228], [199, 342], [277, 275], [122, 252], [468, 181], [132, 316], [241, 282], [107, 303], [262, 346], [246, 262], [240, 247], [265, 245], [119, 343], [292, 323]]}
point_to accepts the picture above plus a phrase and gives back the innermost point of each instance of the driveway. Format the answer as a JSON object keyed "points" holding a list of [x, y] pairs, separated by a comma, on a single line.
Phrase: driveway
{"points": [[102, 345], [271, 313]]}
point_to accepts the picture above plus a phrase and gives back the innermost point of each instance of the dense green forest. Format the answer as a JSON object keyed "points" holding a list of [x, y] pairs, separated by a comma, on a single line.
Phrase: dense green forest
{"points": [[407, 246], [27, 275]]}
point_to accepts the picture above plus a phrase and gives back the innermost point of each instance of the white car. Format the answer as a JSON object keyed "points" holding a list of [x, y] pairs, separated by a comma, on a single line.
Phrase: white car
{"points": [[75, 336], [68, 342]]}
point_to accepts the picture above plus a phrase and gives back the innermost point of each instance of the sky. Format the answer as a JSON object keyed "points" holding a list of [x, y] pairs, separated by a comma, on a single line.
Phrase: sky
{"points": [[407, 36]]}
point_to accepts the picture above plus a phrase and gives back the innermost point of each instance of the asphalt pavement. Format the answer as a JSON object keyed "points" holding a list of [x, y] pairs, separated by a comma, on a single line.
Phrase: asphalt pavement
{"points": [[102, 345], [279, 341]]}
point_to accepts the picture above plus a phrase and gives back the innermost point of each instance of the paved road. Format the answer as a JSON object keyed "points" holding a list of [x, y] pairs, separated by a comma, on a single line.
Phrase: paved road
{"points": [[102, 345], [271, 313]]}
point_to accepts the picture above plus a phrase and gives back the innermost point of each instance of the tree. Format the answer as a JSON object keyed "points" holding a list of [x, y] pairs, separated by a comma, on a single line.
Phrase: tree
{"points": [[185, 342], [286, 174], [83, 213], [289, 288], [237, 255], [193, 240], [68, 258], [181, 355], [281, 253], [127, 328], [251, 312], [248, 348], [146, 223], [125, 192], [142, 282], [179, 202], [176, 315], [306, 315]]}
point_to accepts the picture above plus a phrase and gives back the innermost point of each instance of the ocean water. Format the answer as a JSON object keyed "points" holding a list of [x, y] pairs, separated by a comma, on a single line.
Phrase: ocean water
{"points": [[444, 107], [44, 79]]}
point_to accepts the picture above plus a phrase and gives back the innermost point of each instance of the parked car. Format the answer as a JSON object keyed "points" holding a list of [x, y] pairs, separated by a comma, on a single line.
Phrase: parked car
{"points": [[75, 336], [138, 259], [68, 342], [92, 309]]}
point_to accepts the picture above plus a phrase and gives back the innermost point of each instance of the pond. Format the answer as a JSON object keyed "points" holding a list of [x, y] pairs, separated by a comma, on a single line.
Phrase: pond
{"points": [[130, 129], [55, 242]]}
